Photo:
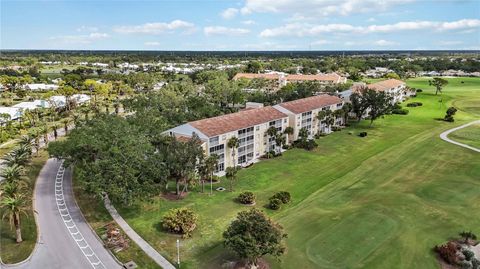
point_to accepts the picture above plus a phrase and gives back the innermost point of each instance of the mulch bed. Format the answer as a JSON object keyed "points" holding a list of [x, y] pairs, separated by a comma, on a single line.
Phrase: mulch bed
{"points": [[171, 196]]}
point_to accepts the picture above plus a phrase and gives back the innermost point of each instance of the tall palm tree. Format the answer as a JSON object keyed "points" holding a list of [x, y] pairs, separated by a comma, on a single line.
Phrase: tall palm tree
{"points": [[210, 165], [55, 128], [233, 144], [231, 173], [288, 131], [66, 122], [13, 207], [11, 189], [44, 130], [271, 132], [279, 142], [12, 173]]}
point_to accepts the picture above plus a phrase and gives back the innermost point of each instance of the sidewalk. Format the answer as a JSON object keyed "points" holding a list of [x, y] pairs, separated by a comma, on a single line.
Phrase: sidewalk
{"points": [[147, 248]]}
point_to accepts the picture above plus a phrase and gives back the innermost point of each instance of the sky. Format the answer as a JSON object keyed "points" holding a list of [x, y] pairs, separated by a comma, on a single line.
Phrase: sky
{"points": [[240, 25]]}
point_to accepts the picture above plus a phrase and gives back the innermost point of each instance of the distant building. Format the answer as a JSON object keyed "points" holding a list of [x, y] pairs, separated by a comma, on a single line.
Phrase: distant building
{"points": [[41, 87]]}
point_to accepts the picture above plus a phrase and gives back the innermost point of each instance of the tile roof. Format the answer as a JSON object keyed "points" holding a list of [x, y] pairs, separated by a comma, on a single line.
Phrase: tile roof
{"points": [[235, 121], [320, 77], [310, 103], [385, 85], [254, 75]]}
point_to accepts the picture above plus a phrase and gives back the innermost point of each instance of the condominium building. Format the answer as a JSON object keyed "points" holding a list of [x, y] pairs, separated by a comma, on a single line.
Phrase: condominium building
{"points": [[280, 79], [303, 113], [396, 88], [249, 126]]}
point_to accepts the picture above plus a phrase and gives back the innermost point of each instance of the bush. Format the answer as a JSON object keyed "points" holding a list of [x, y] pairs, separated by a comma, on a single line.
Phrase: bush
{"points": [[401, 111], [397, 106], [180, 221], [283, 196], [468, 254], [336, 128], [414, 104], [419, 90], [362, 134], [274, 203], [246, 198], [475, 263], [448, 252], [308, 145], [449, 114]]}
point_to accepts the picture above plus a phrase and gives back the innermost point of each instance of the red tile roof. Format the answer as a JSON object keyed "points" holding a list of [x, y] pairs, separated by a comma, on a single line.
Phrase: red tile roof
{"points": [[253, 75], [235, 121], [320, 77], [311, 103], [385, 85]]}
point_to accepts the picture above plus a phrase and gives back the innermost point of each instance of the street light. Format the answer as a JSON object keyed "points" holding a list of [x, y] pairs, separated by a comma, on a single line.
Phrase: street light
{"points": [[178, 252]]}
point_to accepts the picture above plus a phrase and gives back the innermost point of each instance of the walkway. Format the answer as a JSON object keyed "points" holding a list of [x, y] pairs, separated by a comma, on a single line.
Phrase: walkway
{"points": [[65, 240], [147, 248], [445, 134]]}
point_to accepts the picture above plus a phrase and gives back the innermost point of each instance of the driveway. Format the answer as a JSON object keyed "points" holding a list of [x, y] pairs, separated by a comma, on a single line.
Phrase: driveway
{"points": [[65, 238]]}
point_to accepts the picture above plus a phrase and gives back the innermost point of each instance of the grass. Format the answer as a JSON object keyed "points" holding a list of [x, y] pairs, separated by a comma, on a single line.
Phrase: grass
{"points": [[10, 251], [469, 135], [382, 201], [97, 216]]}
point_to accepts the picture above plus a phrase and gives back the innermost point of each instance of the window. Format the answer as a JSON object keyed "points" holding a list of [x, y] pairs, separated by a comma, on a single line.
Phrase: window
{"points": [[213, 140], [258, 128], [285, 121]]}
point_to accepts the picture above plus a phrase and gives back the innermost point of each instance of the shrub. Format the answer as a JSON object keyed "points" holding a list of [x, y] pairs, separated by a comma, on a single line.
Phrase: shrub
{"points": [[414, 104], [308, 144], [401, 111], [362, 134], [336, 128], [475, 263], [397, 106], [246, 198], [180, 221], [468, 254], [419, 90], [449, 119], [449, 114], [274, 203], [283, 196], [448, 252]]}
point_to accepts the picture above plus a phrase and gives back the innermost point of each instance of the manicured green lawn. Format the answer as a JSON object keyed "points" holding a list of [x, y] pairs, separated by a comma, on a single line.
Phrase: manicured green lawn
{"points": [[10, 251], [382, 201], [469, 135]]}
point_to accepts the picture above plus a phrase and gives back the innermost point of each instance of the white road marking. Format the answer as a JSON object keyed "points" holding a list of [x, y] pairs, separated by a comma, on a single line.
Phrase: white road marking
{"points": [[77, 236]]}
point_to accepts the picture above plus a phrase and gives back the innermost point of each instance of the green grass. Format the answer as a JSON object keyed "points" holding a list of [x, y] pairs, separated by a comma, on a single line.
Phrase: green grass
{"points": [[98, 216], [10, 251], [469, 135], [382, 201]]}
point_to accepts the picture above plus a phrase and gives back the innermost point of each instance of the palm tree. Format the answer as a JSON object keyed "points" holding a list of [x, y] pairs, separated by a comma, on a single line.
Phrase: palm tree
{"points": [[11, 189], [18, 156], [13, 207], [233, 144], [44, 131], [231, 173], [467, 236], [12, 173], [66, 122], [279, 142], [55, 127], [347, 108], [271, 132], [288, 132], [210, 164]]}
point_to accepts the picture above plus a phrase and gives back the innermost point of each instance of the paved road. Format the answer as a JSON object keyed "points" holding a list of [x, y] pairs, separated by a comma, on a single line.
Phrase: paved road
{"points": [[65, 239], [445, 134]]}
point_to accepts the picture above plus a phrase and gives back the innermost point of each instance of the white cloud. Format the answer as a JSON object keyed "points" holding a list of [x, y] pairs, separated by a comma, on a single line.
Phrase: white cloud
{"points": [[248, 22], [155, 27], [221, 30], [84, 28], [79, 39], [305, 29], [371, 19], [152, 44], [318, 7], [450, 42], [320, 42], [384, 43], [229, 13]]}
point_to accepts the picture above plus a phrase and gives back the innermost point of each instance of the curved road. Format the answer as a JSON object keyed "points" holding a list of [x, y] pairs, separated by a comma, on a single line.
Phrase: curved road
{"points": [[445, 134], [65, 238]]}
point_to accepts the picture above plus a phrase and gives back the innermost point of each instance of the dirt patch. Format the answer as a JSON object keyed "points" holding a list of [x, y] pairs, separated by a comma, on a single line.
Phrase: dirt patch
{"points": [[171, 196]]}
